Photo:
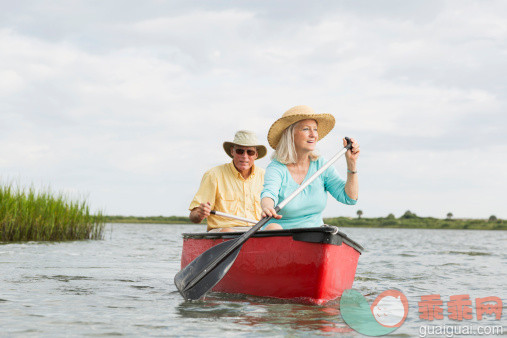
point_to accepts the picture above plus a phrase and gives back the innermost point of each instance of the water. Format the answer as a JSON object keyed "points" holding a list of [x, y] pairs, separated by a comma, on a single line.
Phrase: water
{"points": [[122, 285]]}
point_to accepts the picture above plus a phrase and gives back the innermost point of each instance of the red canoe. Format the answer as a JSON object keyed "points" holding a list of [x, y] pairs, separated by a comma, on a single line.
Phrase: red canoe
{"points": [[312, 265]]}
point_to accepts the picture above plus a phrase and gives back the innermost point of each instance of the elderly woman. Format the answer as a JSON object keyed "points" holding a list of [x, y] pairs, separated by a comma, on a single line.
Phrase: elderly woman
{"points": [[294, 137]]}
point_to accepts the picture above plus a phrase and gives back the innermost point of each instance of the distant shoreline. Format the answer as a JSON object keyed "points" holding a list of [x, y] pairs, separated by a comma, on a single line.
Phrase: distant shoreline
{"points": [[418, 223], [363, 222], [148, 219]]}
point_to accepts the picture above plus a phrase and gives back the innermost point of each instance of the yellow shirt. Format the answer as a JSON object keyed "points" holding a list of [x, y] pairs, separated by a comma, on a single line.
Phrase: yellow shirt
{"points": [[227, 191]]}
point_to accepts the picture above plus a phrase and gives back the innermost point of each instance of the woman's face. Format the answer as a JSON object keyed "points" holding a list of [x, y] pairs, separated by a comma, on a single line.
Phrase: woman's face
{"points": [[306, 135]]}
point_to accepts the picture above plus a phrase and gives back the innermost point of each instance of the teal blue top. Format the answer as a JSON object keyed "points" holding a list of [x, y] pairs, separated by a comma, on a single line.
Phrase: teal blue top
{"points": [[305, 210]]}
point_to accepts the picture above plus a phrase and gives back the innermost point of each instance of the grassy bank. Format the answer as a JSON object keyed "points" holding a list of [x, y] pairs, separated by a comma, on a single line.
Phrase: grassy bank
{"points": [[27, 215], [149, 219], [418, 222]]}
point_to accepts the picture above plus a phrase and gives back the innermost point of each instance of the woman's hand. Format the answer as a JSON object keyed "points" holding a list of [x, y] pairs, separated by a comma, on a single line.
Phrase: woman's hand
{"points": [[352, 154], [270, 212], [267, 205]]}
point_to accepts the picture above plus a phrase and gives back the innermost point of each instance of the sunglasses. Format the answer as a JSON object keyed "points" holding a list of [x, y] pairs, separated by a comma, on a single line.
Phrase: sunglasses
{"points": [[250, 152]]}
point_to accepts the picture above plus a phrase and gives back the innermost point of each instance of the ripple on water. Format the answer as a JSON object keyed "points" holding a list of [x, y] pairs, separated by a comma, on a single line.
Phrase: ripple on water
{"points": [[125, 280], [468, 253], [141, 287], [78, 291], [407, 255], [63, 278], [208, 310], [366, 279]]}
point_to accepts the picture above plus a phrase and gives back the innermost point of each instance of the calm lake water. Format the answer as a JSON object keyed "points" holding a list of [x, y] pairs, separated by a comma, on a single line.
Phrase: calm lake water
{"points": [[122, 285]]}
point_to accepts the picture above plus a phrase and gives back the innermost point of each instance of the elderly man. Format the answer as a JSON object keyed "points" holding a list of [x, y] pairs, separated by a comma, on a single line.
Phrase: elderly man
{"points": [[233, 188]]}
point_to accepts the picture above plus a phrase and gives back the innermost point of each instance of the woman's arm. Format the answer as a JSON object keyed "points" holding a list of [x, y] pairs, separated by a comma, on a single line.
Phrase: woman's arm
{"points": [[272, 185], [343, 191], [352, 185]]}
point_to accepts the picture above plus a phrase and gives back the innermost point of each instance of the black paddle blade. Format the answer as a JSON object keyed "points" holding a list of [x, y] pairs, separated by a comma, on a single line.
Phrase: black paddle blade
{"points": [[187, 280]]}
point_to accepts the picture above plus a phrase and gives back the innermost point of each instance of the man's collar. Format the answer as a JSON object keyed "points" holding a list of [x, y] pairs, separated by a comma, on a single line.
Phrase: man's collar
{"points": [[238, 174]]}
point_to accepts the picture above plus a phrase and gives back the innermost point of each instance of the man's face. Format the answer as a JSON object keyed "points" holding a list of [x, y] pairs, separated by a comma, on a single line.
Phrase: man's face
{"points": [[243, 157]]}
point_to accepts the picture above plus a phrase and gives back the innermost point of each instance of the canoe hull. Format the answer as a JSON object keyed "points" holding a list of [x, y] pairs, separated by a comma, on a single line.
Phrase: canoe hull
{"points": [[284, 264]]}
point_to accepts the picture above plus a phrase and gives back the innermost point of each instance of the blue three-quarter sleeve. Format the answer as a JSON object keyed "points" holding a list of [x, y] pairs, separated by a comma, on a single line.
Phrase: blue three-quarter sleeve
{"points": [[273, 181], [336, 186]]}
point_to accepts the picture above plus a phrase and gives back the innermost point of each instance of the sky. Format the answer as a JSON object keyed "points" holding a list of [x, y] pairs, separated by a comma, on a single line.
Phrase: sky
{"points": [[127, 103]]}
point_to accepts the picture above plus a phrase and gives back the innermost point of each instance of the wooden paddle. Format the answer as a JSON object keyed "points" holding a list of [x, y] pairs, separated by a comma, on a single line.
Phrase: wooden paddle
{"points": [[204, 272]]}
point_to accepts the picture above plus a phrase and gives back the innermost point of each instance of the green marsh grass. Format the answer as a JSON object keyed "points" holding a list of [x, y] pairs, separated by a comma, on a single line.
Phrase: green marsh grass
{"points": [[30, 215]]}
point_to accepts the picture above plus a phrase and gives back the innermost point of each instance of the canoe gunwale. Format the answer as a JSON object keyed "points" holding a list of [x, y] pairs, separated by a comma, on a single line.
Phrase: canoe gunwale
{"points": [[324, 235]]}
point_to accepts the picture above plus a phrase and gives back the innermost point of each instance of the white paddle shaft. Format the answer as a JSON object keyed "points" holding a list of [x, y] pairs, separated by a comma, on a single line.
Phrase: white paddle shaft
{"points": [[312, 178], [223, 214]]}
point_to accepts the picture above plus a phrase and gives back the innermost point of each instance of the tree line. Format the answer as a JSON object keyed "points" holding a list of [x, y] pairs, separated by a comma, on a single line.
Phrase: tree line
{"points": [[408, 215]]}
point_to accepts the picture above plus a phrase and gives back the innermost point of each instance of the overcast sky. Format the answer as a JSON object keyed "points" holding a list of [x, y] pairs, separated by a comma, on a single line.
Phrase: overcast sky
{"points": [[127, 103]]}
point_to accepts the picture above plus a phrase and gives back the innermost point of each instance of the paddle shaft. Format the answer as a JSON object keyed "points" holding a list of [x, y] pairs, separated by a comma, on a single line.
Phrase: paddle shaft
{"points": [[223, 214], [244, 237], [314, 176]]}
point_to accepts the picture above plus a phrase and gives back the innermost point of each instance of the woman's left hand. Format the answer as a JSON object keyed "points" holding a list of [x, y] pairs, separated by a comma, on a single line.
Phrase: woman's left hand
{"points": [[352, 154]]}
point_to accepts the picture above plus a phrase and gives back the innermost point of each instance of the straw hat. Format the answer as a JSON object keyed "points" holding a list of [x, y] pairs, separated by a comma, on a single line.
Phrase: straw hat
{"points": [[325, 123], [246, 138]]}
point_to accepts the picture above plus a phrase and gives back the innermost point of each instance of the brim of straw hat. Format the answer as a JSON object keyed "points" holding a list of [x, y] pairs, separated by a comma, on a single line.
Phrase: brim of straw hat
{"points": [[261, 150], [325, 123]]}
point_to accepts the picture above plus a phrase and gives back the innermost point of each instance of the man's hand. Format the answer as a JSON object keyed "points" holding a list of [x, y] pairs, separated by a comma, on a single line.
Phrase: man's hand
{"points": [[200, 212]]}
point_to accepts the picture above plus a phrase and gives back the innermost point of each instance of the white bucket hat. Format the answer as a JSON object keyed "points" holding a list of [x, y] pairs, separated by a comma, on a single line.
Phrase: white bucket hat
{"points": [[246, 138]]}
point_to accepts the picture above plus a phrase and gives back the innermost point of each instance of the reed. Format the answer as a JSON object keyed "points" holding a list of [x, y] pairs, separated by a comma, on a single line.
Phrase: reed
{"points": [[30, 215]]}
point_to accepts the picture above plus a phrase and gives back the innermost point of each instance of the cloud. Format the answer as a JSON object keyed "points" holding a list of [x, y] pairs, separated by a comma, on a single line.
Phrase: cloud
{"points": [[132, 106]]}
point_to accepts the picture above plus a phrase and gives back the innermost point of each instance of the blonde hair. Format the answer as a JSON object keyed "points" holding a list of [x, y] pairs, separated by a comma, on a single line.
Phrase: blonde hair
{"points": [[285, 151]]}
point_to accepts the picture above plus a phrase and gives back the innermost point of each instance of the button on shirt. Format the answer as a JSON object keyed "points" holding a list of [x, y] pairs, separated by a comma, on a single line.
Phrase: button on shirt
{"points": [[228, 192]]}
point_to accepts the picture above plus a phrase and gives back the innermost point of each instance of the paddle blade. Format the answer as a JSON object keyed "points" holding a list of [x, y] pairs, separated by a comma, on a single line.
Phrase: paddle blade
{"points": [[187, 280]]}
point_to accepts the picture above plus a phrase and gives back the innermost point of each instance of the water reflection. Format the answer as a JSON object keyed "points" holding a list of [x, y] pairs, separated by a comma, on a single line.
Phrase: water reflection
{"points": [[257, 311]]}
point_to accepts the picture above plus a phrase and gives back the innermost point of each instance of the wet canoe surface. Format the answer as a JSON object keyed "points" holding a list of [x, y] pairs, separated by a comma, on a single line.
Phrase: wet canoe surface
{"points": [[309, 265]]}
